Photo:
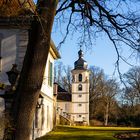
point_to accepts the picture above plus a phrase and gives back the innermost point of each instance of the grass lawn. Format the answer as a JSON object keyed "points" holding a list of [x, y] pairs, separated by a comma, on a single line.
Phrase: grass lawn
{"points": [[85, 133]]}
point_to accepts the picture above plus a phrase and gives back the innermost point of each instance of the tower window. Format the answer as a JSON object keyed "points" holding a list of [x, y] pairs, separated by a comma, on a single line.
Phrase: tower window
{"points": [[80, 78], [73, 78], [80, 87], [79, 105], [79, 116], [79, 95]]}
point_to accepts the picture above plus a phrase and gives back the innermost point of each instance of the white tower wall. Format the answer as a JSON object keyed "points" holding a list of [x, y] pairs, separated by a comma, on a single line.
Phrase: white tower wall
{"points": [[80, 91]]}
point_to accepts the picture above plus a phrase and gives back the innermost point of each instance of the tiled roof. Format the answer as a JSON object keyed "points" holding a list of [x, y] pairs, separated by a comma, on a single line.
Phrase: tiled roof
{"points": [[80, 64], [60, 89], [66, 97], [13, 8], [63, 95]]}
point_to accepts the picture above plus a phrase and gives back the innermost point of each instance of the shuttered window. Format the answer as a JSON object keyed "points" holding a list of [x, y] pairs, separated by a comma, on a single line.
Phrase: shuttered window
{"points": [[80, 77], [50, 74]]}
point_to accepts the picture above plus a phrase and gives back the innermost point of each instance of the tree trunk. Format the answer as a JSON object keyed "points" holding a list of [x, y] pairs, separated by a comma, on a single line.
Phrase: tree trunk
{"points": [[33, 68], [106, 114]]}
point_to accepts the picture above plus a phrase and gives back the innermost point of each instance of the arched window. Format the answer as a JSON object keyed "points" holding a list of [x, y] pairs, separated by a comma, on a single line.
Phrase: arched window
{"points": [[80, 77], [73, 78], [80, 87]]}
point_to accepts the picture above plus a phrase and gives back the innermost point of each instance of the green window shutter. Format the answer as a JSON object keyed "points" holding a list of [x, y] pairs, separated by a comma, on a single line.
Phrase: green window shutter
{"points": [[50, 74]]}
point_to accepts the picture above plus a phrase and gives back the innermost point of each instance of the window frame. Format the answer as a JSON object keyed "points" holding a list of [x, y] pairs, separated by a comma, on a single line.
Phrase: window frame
{"points": [[80, 77], [80, 87], [80, 95], [79, 105], [50, 74], [79, 116]]}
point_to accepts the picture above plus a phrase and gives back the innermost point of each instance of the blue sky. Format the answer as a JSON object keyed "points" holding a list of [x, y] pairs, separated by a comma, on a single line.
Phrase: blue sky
{"points": [[102, 54]]}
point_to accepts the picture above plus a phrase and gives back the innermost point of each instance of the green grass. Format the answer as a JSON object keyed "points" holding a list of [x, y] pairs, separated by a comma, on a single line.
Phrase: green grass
{"points": [[85, 133]]}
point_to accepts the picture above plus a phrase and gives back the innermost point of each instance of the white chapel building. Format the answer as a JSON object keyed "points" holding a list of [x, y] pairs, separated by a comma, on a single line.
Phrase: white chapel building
{"points": [[76, 104]]}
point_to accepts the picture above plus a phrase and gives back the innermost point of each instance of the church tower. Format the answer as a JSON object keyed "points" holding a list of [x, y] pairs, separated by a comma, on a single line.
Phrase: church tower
{"points": [[80, 91]]}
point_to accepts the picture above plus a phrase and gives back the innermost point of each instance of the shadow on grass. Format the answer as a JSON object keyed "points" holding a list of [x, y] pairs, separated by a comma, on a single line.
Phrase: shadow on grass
{"points": [[79, 137]]}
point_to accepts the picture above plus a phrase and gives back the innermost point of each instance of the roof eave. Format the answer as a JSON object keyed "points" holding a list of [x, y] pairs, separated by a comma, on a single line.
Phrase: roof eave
{"points": [[21, 22], [55, 52]]}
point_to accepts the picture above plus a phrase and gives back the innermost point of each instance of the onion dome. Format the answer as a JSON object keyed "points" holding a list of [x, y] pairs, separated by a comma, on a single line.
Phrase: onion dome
{"points": [[80, 63]]}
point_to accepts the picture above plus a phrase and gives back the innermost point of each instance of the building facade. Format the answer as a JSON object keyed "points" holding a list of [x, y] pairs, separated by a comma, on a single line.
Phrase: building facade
{"points": [[45, 109], [13, 44], [80, 91], [78, 106]]}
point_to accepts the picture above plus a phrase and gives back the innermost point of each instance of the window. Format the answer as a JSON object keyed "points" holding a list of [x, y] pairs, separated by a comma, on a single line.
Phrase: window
{"points": [[66, 106], [80, 78], [43, 117], [79, 116], [73, 78], [50, 74], [48, 120], [79, 105], [36, 118], [79, 95], [79, 87]]}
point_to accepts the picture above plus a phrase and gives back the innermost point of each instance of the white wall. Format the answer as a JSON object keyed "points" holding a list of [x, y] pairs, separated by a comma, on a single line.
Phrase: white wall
{"points": [[80, 109], [8, 45], [85, 75], [45, 113], [80, 97], [65, 106], [85, 88], [83, 117], [13, 43], [48, 90], [44, 118]]}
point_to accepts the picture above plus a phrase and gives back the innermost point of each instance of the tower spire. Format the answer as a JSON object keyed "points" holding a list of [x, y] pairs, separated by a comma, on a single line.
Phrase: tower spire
{"points": [[80, 91], [80, 53], [80, 63]]}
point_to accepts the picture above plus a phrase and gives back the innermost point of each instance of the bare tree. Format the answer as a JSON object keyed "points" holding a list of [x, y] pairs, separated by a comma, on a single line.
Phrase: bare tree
{"points": [[111, 89], [102, 94], [96, 88], [59, 67], [130, 96], [91, 17], [133, 79], [67, 78], [129, 110], [63, 76]]}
